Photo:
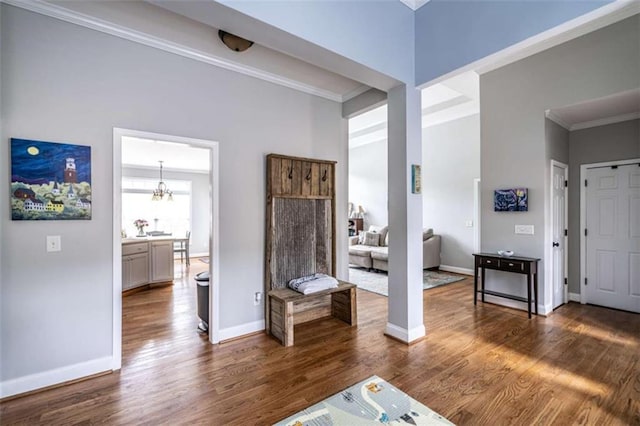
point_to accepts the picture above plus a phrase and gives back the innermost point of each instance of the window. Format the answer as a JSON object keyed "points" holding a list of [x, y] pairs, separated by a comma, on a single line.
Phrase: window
{"points": [[171, 217]]}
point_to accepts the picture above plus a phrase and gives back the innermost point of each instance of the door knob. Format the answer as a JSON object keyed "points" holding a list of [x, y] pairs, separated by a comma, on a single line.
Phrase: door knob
{"points": [[556, 244]]}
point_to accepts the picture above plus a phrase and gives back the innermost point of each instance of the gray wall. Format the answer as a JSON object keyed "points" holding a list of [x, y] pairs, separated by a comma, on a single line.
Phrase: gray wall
{"points": [[557, 142], [200, 203], [450, 163], [619, 141], [62, 82], [368, 181], [513, 100]]}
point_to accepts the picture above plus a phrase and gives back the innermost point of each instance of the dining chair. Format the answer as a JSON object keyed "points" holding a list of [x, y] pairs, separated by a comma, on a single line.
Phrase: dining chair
{"points": [[181, 245]]}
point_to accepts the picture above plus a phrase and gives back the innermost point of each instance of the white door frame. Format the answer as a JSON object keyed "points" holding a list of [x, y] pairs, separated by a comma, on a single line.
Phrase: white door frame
{"points": [[583, 217], [564, 166], [214, 251], [476, 215]]}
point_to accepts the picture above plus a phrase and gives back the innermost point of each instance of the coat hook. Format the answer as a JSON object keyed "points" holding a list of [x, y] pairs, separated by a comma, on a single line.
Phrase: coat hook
{"points": [[290, 172], [308, 177], [324, 176]]}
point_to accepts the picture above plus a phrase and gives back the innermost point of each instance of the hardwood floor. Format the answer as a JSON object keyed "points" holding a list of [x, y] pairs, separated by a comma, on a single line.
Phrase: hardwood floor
{"points": [[483, 365]]}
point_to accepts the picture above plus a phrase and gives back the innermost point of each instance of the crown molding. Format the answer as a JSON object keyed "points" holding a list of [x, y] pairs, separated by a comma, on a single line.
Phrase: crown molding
{"points": [[83, 20], [605, 121], [553, 117], [414, 4], [355, 92]]}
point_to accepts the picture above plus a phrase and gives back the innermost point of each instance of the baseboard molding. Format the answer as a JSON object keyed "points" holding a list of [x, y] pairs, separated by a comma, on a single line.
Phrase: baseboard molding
{"points": [[522, 306], [574, 297], [456, 269], [56, 376], [404, 335], [240, 330]]}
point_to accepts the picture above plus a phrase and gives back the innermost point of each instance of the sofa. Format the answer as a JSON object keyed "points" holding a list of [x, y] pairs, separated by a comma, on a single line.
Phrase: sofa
{"points": [[370, 249]]}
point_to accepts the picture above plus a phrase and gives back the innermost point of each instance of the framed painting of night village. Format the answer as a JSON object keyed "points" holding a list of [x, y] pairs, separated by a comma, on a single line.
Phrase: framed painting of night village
{"points": [[50, 181]]}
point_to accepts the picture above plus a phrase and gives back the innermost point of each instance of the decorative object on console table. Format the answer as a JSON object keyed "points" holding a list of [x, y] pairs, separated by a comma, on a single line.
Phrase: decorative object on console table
{"points": [[515, 264], [355, 225]]}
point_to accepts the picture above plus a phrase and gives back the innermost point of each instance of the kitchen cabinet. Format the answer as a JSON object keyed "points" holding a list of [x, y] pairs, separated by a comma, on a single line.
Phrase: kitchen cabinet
{"points": [[161, 265], [146, 261]]}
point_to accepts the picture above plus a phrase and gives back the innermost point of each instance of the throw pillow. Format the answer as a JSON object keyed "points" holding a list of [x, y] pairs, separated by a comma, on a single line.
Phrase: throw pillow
{"points": [[371, 239], [382, 230], [427, 233], [386, 239], [360, 237]]}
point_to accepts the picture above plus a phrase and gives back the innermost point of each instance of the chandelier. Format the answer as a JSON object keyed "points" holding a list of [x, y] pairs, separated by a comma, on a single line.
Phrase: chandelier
{"points": [[161, 190]]}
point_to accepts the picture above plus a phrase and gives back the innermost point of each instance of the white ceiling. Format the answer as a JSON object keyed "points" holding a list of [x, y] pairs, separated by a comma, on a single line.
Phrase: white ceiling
{"points": [[146, 153], [597, 112], [450, 100]]}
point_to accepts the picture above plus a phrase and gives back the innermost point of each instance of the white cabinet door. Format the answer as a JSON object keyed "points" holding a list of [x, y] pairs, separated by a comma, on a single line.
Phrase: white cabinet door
{"points": [[161, 261], [135, 270]]}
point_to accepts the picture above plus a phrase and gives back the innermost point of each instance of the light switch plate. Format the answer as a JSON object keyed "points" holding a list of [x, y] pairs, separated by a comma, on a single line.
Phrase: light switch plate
{"points": [[468, 223], [54, 243], [524, 229]]}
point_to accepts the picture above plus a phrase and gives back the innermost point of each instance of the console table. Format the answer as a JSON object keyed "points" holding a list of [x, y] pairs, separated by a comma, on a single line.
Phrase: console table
{"points": [[516, 264]]}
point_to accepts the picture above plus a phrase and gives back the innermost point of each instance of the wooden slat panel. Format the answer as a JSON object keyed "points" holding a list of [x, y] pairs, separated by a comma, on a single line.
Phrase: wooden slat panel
{"points": [[311, 302], [315, 179], [312, 314], [286, 176], [306, 178], [296, 181], [325, 178]]}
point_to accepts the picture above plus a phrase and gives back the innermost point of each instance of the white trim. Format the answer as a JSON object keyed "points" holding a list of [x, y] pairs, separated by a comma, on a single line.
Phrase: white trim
{"points": [[214, 245], [549, 251], [241, 330], [594, 20], [87, 21], [574, 297], [553, 117], [515, 304], [414, 4], [583, 217], [605, 121], [356, 92], [403, 334], [456, 269], [35, 381]]}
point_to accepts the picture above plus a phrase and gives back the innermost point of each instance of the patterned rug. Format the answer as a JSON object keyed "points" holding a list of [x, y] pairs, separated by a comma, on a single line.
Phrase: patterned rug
{"points": [[377, 282], [370, 402]]}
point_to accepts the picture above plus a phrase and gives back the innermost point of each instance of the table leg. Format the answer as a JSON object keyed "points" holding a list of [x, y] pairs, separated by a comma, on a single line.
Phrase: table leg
{"points": [[529, 295], [475, 285], [483, 270], [535, 286]]}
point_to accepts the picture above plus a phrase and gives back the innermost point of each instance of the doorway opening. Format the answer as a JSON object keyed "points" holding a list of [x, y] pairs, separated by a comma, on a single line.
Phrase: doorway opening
{"points": [[559, 233], [192, 215]]}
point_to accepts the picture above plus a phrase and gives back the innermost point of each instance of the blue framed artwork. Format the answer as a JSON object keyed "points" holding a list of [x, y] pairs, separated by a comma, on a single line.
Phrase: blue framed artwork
{"points": [[50, 181], [511, 200]]}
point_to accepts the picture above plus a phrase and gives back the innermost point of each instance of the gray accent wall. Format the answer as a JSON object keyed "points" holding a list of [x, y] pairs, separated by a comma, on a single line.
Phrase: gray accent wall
{"points": [[513, 101], [65, 83], [450, 163], [368, 182], [619, 141]]}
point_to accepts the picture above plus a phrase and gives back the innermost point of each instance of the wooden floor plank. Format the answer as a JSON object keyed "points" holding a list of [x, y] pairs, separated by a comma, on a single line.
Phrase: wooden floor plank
{"points": [[483, 365]]}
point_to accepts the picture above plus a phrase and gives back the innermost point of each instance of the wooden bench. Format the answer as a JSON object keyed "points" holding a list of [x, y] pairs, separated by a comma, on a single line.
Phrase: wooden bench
{"points": [[286, 308]]}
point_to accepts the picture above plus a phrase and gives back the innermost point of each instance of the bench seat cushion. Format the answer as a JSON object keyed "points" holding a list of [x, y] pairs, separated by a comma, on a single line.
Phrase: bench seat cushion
{"points": [[361, 250]]}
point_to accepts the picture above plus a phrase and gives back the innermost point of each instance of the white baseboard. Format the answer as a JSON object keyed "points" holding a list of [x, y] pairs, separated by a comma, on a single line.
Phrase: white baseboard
{"points": [[574, 297], [53, 377], [240, 330], [201, 254], [515, 304], [456, 269], [403, 334]]}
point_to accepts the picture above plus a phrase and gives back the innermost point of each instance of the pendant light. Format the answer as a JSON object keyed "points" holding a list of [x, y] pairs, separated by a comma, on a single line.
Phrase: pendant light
{"points": [[161, 190]]}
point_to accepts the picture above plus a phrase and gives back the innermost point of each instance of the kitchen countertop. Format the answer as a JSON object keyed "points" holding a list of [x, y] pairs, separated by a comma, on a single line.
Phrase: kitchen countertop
{"points": [[131, 240]]}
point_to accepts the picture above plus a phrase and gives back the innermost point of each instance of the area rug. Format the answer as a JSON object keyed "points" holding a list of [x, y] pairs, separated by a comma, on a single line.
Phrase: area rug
{"points": [[377, 282], [370, 402]]}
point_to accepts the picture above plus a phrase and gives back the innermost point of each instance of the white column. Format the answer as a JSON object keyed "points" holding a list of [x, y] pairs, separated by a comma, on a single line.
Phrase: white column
{"points": [[405, 321]]}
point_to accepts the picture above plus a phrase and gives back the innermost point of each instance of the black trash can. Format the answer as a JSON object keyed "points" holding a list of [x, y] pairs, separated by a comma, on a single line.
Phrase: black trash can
{"points": [[202, 281]]}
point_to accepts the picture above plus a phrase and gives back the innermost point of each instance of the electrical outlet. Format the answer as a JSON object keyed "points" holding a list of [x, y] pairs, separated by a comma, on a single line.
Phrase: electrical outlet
{"points": [[468, 223], [524, 229], [257, 298], [54, 243]]}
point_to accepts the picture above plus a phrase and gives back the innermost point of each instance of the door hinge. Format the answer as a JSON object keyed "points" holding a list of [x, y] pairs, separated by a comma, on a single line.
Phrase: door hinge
{"points": [[585, 232], [585, 281], [585, 182], [566, 281], [566, 183], [566, 232]]}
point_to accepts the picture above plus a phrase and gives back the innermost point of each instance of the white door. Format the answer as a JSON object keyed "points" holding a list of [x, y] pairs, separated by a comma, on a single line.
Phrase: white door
{"points": [[613, 237], [559, 245]]}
